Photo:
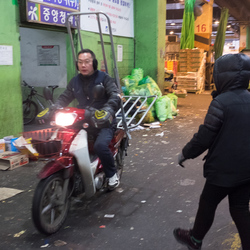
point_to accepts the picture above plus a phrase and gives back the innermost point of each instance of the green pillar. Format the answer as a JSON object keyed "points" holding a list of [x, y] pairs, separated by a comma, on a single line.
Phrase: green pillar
{"points": [[248, 38], [150, 30], [10, 94]]}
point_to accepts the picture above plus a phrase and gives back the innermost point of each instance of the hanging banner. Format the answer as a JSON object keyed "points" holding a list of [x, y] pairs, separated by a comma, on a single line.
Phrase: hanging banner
{"points": [[53, 12], [120, 12]]}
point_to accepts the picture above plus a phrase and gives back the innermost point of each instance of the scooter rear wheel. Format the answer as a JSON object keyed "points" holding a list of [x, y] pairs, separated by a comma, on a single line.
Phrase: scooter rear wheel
{"points": [[120, 158], [48, 210]]}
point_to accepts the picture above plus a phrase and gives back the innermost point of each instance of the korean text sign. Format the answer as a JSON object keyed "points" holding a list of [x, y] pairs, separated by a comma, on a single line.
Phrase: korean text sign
{"points": [[53, 12], [120, 13]]}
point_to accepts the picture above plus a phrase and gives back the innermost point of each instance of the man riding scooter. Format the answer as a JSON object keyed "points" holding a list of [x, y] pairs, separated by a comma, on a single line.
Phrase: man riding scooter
{"points": [[103, 109]]}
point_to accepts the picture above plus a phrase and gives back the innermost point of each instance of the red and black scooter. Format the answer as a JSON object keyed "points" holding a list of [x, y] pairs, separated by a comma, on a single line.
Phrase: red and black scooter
{"points": [[73, 168]]}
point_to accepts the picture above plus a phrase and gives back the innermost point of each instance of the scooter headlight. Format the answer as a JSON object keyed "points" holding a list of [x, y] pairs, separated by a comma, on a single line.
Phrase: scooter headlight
{"points": [[65, 119]]}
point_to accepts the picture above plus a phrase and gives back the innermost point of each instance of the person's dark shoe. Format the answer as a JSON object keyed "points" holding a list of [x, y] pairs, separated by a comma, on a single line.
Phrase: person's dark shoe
{"points": [[184, 237]]}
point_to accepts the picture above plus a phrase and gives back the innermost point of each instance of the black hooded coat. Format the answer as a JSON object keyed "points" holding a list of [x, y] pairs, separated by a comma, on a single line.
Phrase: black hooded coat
{"points": [[226, 129]]}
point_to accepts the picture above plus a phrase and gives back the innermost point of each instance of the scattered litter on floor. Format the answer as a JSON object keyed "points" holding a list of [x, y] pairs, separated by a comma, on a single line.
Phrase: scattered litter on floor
{"points": [[19, 234], [160, 134], [110, 216], [155, 126], [152, 125], [119, 190], [43, 246], [102, 226], [165, 142], [162, 164], [179, 211], [143, 201], [6, 193], [137, 128], [59, 243], [187, 182]]}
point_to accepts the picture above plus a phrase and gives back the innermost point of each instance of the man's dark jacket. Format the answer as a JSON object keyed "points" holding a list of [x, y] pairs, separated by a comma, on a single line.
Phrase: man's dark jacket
{"points": [[81, 88], [226, 129]]}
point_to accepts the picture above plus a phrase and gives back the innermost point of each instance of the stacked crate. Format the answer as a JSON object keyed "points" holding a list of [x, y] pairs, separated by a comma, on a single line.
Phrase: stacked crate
{"points": [[191, 75], [183, 60], [190, 59]]}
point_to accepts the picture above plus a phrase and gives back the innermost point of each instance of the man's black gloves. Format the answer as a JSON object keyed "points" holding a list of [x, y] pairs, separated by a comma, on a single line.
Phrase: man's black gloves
{"points": [[181, 159], [45, 116], [101, 118]]}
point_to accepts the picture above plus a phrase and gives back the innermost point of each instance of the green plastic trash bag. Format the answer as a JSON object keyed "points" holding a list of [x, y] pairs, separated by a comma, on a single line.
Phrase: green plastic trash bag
{"points": [[129, 82], [174, 110], [148, 118], [150, 85], [145, 80], [137, 74], [137, 91], [163, 108], [174, 99]]}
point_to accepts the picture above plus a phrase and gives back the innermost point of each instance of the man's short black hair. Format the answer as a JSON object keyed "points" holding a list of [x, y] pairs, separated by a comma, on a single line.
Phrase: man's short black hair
{"points": [[87, 51], [95, 62]]}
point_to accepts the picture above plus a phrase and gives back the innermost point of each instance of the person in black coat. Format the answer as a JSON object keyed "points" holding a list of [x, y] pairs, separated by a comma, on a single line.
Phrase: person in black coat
{"points": [[81, 88], [226, 135]]}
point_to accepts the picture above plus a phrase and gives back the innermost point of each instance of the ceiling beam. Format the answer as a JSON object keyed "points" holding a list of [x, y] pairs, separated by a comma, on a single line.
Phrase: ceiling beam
{"points": [[239, 9]]}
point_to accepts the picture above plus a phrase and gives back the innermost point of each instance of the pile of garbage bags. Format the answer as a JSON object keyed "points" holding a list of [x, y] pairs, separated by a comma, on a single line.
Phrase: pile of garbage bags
{"points": [[165, 106]]}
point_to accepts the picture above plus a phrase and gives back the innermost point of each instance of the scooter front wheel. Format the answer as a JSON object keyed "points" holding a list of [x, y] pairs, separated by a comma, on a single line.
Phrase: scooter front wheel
{"points": [[49, 211]]}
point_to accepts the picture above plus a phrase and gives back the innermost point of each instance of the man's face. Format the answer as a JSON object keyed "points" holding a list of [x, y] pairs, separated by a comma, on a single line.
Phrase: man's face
{"points": [[85, 64]]}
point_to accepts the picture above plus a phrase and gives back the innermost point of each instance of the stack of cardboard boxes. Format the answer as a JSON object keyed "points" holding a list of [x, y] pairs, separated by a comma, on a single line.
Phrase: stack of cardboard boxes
{"points": [[10, 157], [191, 75]]}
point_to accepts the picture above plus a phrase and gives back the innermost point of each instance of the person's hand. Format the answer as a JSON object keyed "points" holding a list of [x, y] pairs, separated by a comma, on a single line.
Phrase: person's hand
{"points": [[101, 118], [45, 116], [89, 113], [181, 159]]}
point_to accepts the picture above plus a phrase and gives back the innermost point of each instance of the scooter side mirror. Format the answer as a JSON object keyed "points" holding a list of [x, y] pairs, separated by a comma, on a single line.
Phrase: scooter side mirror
{"points": [[98, 92], [47, 94]]}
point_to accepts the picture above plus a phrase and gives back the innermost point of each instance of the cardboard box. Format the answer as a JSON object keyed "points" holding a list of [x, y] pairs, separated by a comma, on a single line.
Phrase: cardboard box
{"points": [[26, 148], [10, 160]]}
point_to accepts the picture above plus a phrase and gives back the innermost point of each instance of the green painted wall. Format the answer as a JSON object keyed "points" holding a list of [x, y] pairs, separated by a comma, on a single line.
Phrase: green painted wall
{"points": [[161, 35], [10, 94], [150, 26]]}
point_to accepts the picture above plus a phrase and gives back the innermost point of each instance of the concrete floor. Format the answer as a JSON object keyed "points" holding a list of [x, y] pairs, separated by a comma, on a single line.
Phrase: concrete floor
{"points": [[155, 196]]}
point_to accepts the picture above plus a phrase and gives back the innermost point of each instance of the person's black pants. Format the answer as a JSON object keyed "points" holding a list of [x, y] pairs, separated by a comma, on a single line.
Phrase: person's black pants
{"points": [[238, 206], [101, 148]]}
